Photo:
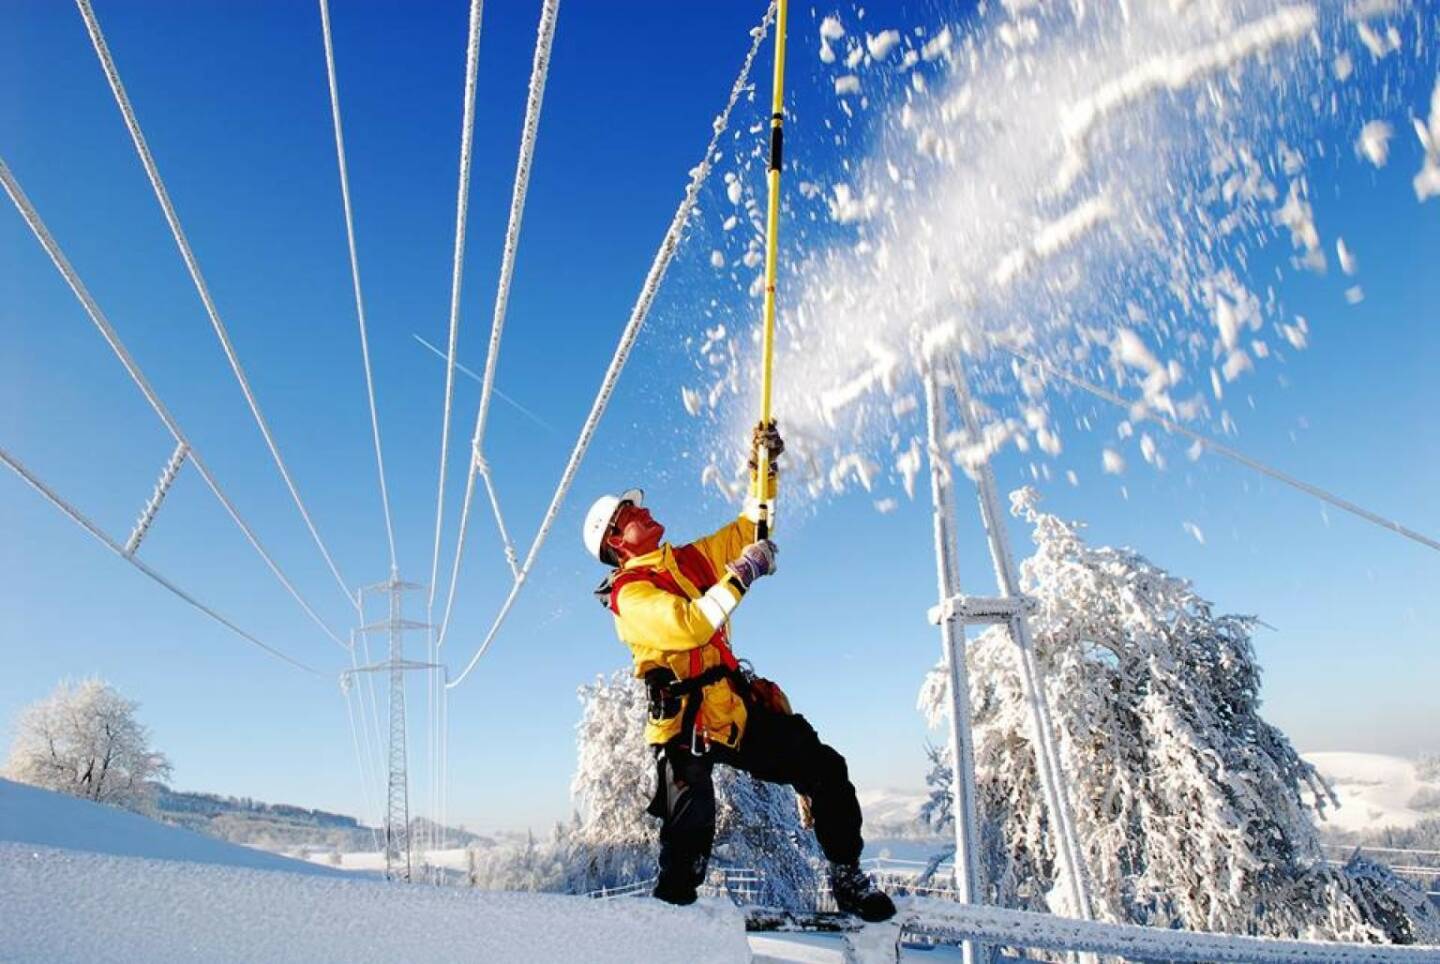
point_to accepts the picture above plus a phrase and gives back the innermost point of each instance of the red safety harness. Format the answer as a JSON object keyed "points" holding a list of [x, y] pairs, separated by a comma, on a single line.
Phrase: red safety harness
{"points": [[698, 572]]}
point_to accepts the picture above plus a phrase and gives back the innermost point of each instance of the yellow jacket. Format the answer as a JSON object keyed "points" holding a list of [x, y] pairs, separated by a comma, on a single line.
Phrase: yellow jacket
{"points": [[671, 608]]}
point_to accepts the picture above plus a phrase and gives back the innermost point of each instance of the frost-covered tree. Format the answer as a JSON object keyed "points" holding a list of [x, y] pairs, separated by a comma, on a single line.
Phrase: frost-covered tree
{"points": [[1192, 810], [611, 841], [757, 824], [85, 740]]}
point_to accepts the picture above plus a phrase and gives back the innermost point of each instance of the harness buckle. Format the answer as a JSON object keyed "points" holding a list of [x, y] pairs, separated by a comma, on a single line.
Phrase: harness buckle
{"points": [[699, 740]]}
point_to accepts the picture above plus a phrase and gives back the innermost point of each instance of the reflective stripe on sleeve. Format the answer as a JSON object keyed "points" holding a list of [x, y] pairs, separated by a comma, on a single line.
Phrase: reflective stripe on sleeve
{"points": [[717, 604]]}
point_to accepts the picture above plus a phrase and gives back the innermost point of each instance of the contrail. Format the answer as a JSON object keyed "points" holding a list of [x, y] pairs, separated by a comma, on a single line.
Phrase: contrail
{"points": [[503, 397]]}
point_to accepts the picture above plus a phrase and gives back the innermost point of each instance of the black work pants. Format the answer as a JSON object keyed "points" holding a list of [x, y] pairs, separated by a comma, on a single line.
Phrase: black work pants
{"points": [[775, 748]]}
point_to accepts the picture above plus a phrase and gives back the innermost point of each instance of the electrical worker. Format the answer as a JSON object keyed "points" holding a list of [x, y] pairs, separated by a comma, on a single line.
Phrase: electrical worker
{"points": [[672, 606]]}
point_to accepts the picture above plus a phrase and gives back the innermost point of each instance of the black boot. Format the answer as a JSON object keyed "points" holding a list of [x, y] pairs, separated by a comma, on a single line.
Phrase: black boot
{"points": [[673, 893], [855, 894]]}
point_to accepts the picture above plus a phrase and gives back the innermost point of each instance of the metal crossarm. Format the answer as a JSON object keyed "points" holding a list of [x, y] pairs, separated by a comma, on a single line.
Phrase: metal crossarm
{"points": [[79, 518], [152, 507], [387, 625], [192, 265], [112, 338], [981, 610]]}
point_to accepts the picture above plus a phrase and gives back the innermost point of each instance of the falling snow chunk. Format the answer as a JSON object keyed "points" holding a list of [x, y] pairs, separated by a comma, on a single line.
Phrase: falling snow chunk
{"points": [[879, 45], [730, 223], [1343, 67], [853, 465], [1194, 531], [1347, 258], [1374, 142], [1147, 448], [1354, 295], [853, 58], [846, 207], [691, 398], [937, 45], [1379, 46], [733, 191], [1132, 351], [886, 506], [831, 28], [1071, 477], [717, 259], [848, 84], [1427, 182], [1172, 72], [1236, 363], [1112, 462]]}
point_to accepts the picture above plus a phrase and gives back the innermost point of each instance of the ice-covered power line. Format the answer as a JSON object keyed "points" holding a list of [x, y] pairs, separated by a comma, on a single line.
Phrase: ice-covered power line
{"points": [[457, 267], [76, 516], [355, 275], [540, 69], [1219, 448], [142, 149], [112, 338], [638, 313]]}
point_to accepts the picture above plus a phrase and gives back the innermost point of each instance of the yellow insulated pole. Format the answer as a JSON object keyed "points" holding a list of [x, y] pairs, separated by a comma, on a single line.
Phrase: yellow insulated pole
{"points": [[772, 239]]}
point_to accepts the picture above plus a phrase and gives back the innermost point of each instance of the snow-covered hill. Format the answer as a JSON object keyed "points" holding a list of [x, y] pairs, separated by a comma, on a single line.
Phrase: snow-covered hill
{"points": [[891, 807], [80, 881], [1376, 791]]}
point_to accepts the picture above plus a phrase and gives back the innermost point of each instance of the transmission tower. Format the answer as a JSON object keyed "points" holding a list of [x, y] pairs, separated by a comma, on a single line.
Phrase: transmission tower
{"points": [[397, 797], [1011, 610]]}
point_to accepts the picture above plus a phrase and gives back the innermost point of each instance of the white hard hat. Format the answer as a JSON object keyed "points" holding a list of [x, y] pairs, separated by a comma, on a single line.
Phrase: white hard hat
{"points": [[601, 514]]}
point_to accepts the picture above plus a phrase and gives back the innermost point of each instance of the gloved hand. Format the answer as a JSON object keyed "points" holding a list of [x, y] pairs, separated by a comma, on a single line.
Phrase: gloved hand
{"points": [[766, 436], [757, 559]]}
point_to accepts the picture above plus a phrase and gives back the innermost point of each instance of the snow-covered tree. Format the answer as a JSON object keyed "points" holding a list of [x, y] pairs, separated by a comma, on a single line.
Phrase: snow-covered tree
{"points": [[612, 842], [84, 739], [1192, 810], [757, 824]]}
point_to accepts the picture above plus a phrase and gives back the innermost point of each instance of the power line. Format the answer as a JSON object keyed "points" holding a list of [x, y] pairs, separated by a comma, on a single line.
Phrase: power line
{"points": [[545, 35], [142, 149], [462, 208], [1221, 449], [79, 519], [355, 276], [112, 338], [638, 313]]}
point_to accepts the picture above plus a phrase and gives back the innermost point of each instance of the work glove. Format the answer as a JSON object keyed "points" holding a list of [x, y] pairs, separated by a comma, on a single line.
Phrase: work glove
{"points": [[766, 436], [756, 560]]}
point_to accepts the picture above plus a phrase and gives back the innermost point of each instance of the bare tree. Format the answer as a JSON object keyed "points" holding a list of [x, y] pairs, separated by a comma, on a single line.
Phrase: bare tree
{"points": [[84, 739]]}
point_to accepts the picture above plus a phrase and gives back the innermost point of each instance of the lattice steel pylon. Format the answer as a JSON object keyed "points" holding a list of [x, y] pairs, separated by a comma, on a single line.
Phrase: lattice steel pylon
{"points": [[397, 796]]}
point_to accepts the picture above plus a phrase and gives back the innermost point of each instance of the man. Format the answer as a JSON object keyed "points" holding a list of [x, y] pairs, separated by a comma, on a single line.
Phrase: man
{"points": [[672, 606]]}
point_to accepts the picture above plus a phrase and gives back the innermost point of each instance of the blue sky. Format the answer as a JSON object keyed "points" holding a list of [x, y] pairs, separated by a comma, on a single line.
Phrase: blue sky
{"points": [[233, 100]]}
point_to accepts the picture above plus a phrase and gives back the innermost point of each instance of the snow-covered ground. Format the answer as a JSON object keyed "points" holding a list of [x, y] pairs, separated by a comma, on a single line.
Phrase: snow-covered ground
{"points": [[80, 881], [1375, 790]]}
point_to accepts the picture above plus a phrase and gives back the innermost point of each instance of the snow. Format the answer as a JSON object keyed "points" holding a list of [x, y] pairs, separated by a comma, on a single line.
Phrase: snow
{"points": [[1427, 182], [848, 84], [1374, 142], [39, 818], [116, 876], [1346, 256], [112, 906], [1375, 790], [879, 45], [1172, 72]]}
